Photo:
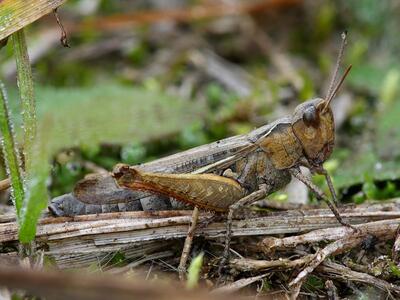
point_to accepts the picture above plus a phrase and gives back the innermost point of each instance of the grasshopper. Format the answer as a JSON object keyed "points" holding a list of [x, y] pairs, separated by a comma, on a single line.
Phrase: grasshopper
{"points": [[227, 174]]}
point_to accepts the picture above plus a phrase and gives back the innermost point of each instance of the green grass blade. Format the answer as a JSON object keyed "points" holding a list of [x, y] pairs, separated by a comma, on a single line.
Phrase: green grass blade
{"points": [[10, 152], [35, 151], [194, 271], [25, 86], [36, 196]]}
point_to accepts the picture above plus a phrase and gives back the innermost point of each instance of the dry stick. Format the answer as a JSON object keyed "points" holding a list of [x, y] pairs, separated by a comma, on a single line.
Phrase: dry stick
{"points": [[339, 272], [119, 215], [248, 265], [396, 246], [381, 229], [355, 266], [237, 285], [63, 38], [337, 246], [188, 244]]}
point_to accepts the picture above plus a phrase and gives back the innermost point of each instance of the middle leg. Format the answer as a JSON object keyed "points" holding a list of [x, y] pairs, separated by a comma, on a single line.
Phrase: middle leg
{"points": [[249, 199]]}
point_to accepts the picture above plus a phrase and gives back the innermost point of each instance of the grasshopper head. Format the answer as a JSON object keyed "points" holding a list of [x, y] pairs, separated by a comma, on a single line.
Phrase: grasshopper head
{"points": [[313, 125]]}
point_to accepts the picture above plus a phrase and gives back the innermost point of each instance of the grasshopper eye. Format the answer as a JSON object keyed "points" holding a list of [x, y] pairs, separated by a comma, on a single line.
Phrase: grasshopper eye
{"points": [[310, 116]]}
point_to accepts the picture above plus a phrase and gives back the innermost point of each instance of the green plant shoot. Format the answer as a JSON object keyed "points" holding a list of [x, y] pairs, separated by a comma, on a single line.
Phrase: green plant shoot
{"points": [[194, 271], [10, 151]]}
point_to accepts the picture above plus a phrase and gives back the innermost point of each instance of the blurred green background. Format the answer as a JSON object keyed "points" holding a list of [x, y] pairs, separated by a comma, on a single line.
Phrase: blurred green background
{"points": [[143, 79]]}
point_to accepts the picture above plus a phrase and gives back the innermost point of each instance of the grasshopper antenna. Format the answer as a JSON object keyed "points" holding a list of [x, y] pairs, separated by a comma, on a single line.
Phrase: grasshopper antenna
{"points": [[337, 66], [334, 92]]}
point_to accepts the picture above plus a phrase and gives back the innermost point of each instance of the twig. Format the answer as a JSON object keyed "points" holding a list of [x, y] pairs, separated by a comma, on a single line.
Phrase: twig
{"points": [[396, 246], [247, 265], [237, 285], [63, 39], [337, 271], [188, 244], [335, 247], [383, 229]]}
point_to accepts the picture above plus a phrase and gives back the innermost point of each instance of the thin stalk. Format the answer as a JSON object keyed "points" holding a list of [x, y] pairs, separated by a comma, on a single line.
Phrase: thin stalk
{"points": [[10, 151], [25, 86], [36, 161]]}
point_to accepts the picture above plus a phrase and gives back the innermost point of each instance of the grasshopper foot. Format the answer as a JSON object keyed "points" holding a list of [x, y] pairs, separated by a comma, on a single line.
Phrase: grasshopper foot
{"points": [[355, 229]]}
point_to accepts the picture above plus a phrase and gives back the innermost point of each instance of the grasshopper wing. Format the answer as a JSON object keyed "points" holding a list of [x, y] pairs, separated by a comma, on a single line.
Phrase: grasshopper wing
{"points": [[102, 189]]}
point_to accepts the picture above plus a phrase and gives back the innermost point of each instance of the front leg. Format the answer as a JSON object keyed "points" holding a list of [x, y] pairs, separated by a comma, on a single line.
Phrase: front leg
{"points": [[320, 195], [322, 171], [249, 199]]}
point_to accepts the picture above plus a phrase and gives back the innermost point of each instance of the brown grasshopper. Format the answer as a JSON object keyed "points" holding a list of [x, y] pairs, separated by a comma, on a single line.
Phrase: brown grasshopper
{"points": [[236, 171]]}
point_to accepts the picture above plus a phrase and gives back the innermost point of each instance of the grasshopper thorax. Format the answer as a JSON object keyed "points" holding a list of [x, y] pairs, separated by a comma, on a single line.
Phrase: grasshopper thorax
{"points": [[314, 127]]}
